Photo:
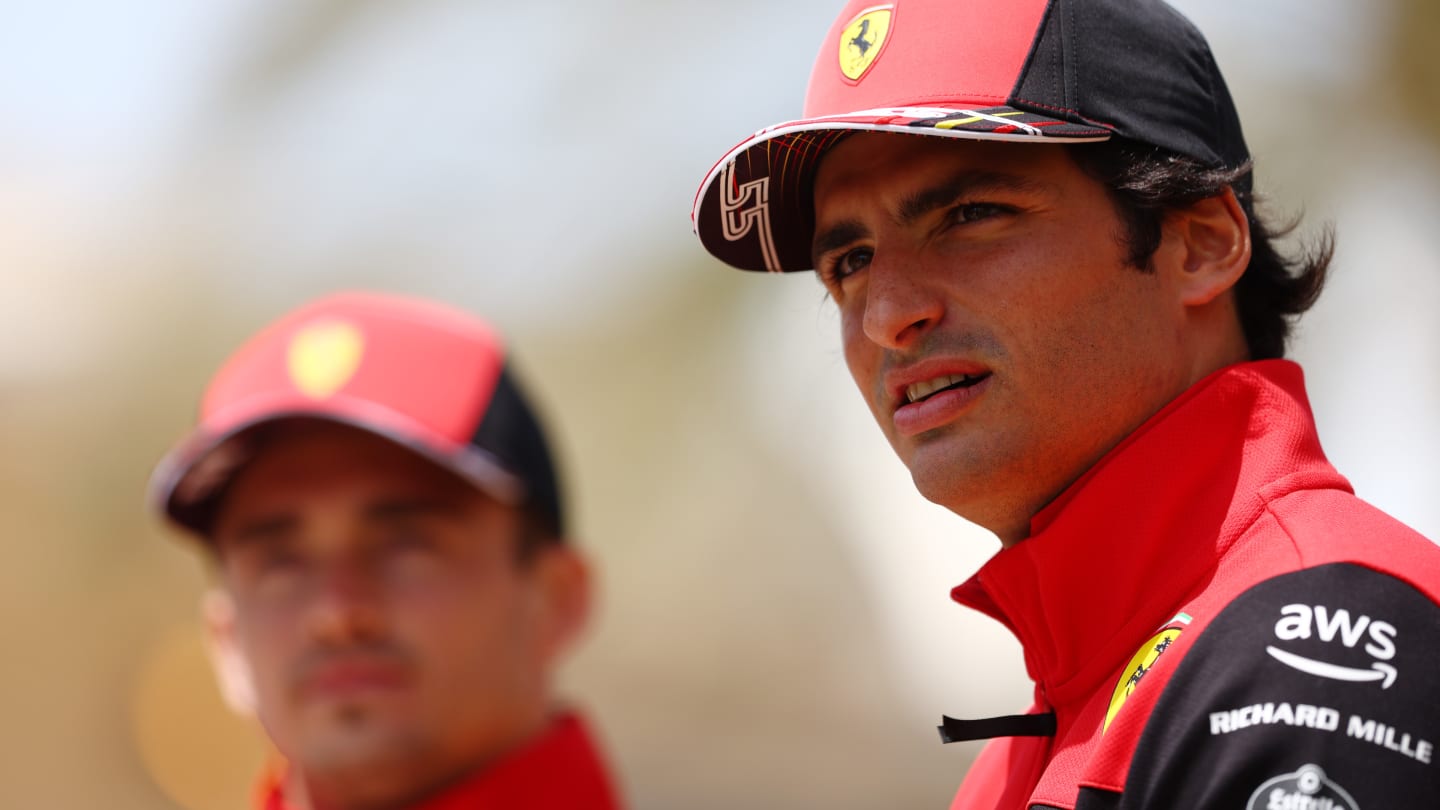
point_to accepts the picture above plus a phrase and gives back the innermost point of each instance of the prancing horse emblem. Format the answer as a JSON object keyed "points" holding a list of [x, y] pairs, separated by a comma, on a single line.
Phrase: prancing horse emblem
{"points": [[859, 41], [862, 40]]}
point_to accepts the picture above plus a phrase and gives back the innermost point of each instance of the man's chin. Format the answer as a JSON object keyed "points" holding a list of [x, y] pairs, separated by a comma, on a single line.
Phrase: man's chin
{"points": [[942, 476], [363, 771], [944, 470], [351, 736]]}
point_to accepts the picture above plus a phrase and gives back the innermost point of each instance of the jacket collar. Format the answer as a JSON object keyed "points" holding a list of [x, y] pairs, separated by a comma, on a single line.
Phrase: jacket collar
{"points": [[559, 769], [1117, 554]]}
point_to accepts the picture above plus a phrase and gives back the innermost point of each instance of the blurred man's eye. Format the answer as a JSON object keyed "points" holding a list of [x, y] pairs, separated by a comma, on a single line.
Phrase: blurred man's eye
{"points": [[409, 539], [263, 569], [270, 563], [279, 560]]}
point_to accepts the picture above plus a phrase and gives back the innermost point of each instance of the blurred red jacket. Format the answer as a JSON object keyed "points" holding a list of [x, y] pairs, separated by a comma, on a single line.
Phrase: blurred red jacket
{"points": [[560, 770]]}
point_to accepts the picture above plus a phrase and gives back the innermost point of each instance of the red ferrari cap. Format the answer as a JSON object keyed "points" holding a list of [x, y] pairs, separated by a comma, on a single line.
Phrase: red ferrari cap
{"points": [[1066, 71], [423, 375]]}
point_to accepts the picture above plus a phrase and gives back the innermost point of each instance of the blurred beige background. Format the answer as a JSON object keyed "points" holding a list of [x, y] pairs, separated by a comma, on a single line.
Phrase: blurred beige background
{"points": [[776, 630]]}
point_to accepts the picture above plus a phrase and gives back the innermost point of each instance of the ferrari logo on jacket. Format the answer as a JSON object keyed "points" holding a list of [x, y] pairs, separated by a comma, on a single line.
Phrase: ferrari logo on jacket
{"points": [[1141, 663]]}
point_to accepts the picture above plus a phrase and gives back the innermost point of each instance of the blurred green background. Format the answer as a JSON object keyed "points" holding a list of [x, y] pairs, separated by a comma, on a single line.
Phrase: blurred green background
{"points": [[775, 629]]}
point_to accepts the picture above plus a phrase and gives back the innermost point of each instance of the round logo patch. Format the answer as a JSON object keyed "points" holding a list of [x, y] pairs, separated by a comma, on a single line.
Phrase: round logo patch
{"points": [[1305, 789], [862, 40], [324, 356]]}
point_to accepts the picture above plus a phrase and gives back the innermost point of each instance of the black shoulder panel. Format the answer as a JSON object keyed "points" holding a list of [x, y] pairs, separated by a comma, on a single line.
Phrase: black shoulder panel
{"points": [[1316, 690]]}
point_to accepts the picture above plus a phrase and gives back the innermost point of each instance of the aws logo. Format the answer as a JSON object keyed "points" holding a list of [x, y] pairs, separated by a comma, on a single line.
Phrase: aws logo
{"points": [[1299, 622], [862, 39]]}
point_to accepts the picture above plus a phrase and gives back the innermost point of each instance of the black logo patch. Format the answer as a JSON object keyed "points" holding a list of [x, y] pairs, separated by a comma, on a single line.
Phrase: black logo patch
{"points": [[1305, 789]]}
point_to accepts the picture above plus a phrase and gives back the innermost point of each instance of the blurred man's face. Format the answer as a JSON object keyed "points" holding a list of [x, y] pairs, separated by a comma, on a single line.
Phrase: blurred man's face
{"points": [[394, 639], [989, 316]]}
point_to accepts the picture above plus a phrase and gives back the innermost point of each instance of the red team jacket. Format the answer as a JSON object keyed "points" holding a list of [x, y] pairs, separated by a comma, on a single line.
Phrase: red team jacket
{"points": [[1216, 621], [559, 771]]}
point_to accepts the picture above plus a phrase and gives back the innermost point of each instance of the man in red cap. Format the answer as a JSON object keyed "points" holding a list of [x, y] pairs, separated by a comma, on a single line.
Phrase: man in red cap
{"points": [[1061, 305], [394, 586]]}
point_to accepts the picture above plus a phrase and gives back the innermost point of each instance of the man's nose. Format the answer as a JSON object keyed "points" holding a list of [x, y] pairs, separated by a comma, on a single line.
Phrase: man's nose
{"points": [[900, 306], [346, 602]]}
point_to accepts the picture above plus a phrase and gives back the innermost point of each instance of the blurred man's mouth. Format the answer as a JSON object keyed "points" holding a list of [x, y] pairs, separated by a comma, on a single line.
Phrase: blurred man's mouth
{"points": [[352, 675]]}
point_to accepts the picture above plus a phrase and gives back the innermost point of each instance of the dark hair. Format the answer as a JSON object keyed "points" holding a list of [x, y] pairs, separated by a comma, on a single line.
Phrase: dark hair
{"points": [[1147, 182], [537, 532]]}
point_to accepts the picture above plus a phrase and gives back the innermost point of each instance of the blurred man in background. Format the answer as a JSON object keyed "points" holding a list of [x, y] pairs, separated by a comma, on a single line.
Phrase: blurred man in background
{"points": [[1060, 304], [395, 589]]}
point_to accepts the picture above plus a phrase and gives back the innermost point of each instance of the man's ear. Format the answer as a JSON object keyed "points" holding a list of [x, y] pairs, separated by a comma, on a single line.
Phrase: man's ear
{"points": [[232, 668], [1212, 241], [565, 588]]}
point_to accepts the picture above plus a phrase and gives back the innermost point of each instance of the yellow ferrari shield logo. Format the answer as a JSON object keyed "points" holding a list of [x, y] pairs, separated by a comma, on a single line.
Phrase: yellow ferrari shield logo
{"points": [[862, 39], [1141, 663], [323, 357]]}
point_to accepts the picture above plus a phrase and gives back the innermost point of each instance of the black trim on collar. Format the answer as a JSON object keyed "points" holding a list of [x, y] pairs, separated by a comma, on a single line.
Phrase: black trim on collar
{"points": [[1013, 725]]}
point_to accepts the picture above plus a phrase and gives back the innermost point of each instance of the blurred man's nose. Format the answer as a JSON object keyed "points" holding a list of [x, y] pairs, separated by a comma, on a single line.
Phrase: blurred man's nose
{"points": [[346, 600]]}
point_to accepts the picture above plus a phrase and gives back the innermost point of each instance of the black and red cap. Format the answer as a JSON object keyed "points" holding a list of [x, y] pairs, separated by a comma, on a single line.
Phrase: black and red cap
{"points": [[423, 375], [1039, 71]]}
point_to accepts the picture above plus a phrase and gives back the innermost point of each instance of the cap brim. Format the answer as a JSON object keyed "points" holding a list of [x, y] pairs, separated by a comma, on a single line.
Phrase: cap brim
{"points": [[754, 210], [188, 480]]}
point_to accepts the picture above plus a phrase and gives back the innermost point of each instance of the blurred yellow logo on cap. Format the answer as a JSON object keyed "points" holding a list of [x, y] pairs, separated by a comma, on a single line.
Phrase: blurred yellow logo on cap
{"points": [[862, 39], [324, 356]]}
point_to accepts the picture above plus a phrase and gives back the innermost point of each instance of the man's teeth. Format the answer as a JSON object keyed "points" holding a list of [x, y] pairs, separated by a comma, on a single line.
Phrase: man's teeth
{"points": [[921, 390]]}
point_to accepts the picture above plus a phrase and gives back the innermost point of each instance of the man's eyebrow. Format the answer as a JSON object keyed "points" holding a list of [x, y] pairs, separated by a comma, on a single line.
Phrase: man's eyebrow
{"points": [[962, 184], [838, 235], [410, 507], [916, 205], [262, 528]]}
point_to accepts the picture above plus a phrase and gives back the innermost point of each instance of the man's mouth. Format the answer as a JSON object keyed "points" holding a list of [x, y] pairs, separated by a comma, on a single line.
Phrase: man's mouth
{"points": [[921, 391], [351, 678], [333, 674]]}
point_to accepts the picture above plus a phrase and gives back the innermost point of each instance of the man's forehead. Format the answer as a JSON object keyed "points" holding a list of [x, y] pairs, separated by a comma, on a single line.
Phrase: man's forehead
{"points": [[317, 464], [912, 175], [866, 151], [301, 445]]}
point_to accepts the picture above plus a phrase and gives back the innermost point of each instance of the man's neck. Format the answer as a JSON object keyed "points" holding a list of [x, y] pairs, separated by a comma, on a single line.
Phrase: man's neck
{"points": [[370, 791]]}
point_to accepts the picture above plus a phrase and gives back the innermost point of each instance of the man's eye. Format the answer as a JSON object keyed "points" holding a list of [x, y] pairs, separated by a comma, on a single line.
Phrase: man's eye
{"points": [[975, 212], [277, 561], [408, 538], [848, 264]]}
